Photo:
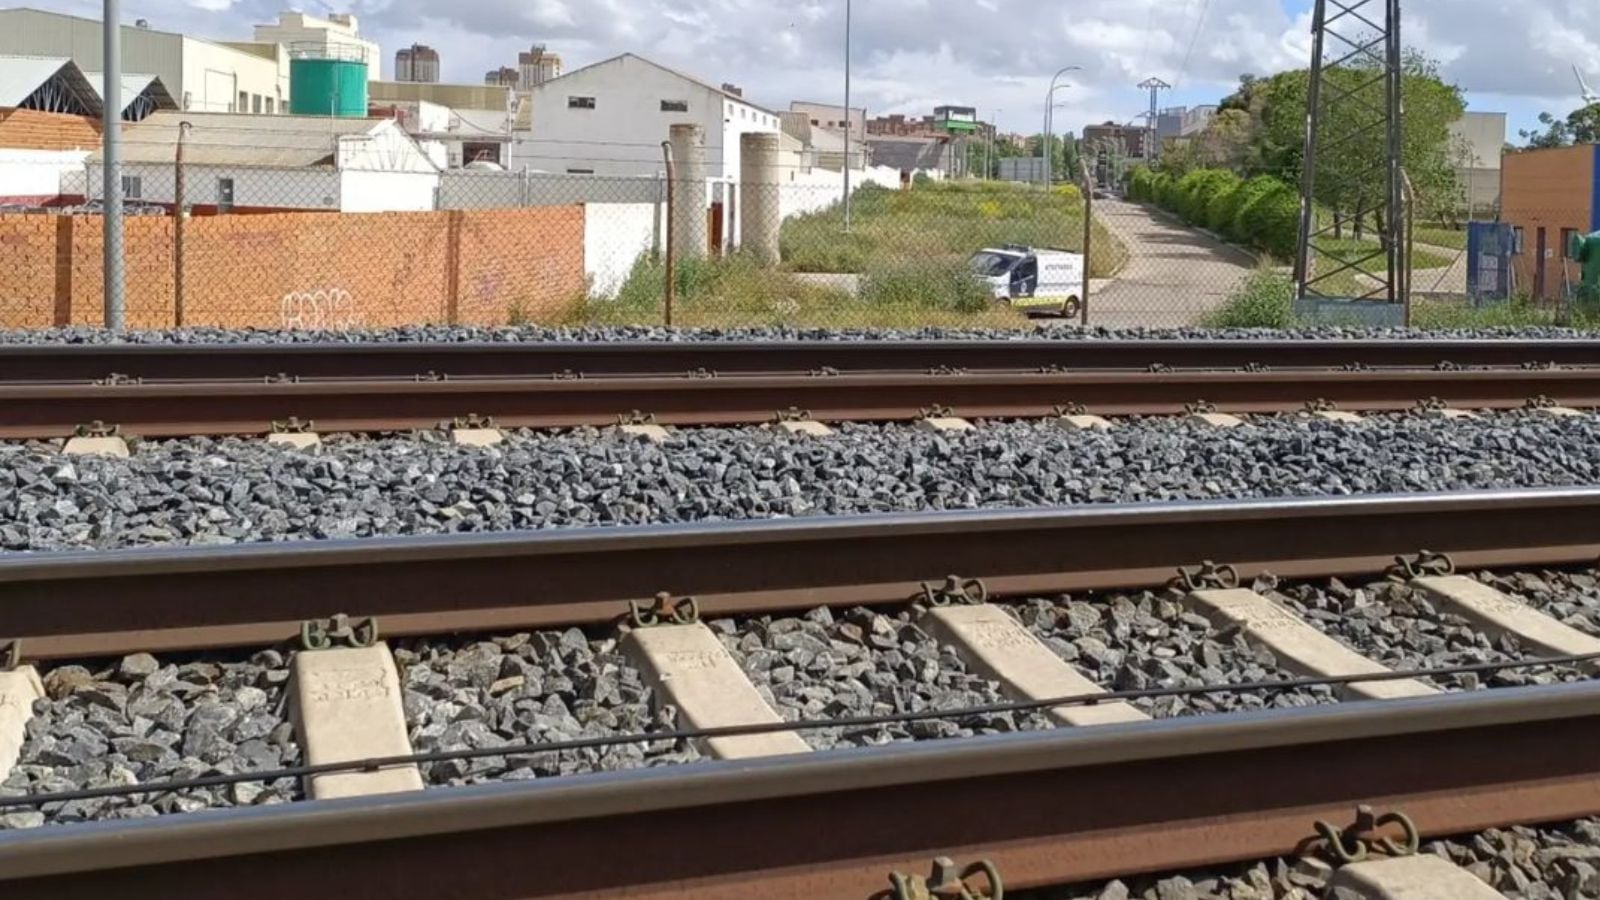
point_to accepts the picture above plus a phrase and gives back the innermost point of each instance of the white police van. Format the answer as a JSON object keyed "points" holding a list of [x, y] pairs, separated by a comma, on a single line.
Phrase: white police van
{"points": [[1029, 279]]}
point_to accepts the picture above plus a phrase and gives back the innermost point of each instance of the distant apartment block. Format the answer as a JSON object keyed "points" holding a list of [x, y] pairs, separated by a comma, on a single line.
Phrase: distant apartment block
{"points": [[945, 121], [418, 62], [535, 66], [1128, 139], [505, 76]]}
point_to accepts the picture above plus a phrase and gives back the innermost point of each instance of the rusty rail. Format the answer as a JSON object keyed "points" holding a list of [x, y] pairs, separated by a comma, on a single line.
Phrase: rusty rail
{"points": [[88, 603], [1045, 808], [174, 409], [332, 359]]}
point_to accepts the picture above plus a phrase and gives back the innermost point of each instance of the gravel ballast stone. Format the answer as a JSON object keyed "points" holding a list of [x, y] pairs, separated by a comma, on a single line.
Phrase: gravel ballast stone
{"points": [[539, 334], [1400, 627], [831, 664], [140, 719], [544, 687], [219, 491], [1145, 641]]}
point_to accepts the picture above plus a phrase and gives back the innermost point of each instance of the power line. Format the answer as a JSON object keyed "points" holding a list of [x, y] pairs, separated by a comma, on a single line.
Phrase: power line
{"points": [[1199, 26]]}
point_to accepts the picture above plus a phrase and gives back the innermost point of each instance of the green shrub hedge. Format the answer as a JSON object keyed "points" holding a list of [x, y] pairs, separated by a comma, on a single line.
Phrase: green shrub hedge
{"points": [[1263, 212]]}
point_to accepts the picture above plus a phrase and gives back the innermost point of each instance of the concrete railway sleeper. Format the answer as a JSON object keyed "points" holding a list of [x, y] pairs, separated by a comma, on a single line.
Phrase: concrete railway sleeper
{"points": [[953, 662]]}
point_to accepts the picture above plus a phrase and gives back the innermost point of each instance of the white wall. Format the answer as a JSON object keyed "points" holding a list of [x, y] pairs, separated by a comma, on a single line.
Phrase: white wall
{"points": [[615, 235], [622, 135], [387, 148], [299, 28], [819, 189], [474, 189], [41, 175], [288, 189], [213, 76], [387, 191]]}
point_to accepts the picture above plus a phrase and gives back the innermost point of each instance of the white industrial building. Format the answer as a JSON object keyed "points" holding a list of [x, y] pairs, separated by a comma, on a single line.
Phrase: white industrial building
{"points": [[200, 75], [332, 38], [1478, 140], [234, 163], [610, 119]]}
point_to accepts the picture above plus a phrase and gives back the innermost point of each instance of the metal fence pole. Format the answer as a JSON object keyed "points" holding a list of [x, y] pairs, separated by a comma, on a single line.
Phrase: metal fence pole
{"points": [[1088, 238], [116, 313], [666, 155], [177, 228]]}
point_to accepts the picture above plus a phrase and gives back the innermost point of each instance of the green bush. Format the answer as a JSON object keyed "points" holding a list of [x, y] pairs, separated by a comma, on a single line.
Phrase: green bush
{"points": [[1141, 182], [1196, 190], [1228, 217], [943, 284], [1270, 221], [1264, 300]]}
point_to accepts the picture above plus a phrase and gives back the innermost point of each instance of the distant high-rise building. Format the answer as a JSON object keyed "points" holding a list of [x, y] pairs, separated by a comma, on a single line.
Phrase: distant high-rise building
{"points": [[418, 62], [505, 76], [535, 66]]}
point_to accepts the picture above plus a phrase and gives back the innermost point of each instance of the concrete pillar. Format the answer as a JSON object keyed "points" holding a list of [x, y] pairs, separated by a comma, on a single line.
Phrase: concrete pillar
{"points": [[689, 233], [759, 213]]}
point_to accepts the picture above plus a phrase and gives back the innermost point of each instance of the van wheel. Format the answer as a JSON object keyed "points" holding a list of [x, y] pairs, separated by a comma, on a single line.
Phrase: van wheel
{"points": [[1071, 309]]}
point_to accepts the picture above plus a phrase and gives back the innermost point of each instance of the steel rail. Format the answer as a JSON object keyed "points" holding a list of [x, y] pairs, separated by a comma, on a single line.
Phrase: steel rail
{"points": [[174, 409], [101, 602], [332, 359], [1045, 807]]}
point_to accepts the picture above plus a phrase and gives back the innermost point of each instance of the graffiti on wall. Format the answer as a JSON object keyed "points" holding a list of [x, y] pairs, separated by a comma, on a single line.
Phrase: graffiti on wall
{"points": [[324, 310]]}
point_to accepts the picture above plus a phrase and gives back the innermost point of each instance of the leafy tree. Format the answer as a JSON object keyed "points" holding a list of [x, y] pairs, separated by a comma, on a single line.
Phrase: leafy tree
{"points": [[1584, 124], [1555, 134]]}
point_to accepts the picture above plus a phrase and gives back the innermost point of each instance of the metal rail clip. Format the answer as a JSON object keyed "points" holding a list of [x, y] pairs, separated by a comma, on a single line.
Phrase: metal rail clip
{"points": [[117, 378], [1053, 369], [1540, 402], [1355, 367], [949, 882], [635, 417], [701, 372], [339, 630], [1062, 410], [1199, 408], [1537, 366], [567, 375], [1255, 367], [472, 420], [1321, 405], [1423, 563], [1158, 368], [97, 429], [936, 411], [792, 414], [1208, 576], [824, 372], [946, 370], [293, 425], [956, 591], [1361, 840], [429, 376], [1430, 405], [1448, 366], [665, 609], [10, 654]]}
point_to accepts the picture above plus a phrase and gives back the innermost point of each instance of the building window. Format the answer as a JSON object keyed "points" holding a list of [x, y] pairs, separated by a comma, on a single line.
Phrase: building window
{"points": [[224, 195], [580, 171], [674, 106], [269, 106], [132, 187], [255, 103], [1518, 237], [580, 103], [244, 102], [815, 122], [1567, 234], [744, 113]]}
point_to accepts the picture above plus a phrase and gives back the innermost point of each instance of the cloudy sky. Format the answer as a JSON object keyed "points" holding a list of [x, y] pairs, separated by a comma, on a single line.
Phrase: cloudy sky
{"points": [[910, 55]]}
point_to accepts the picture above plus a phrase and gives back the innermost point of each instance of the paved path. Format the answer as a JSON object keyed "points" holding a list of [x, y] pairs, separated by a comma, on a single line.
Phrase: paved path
{"points": [[1174, 276]]}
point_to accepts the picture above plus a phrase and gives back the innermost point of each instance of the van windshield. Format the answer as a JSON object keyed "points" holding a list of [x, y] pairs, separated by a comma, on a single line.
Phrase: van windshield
{"points": [[992, 264]]}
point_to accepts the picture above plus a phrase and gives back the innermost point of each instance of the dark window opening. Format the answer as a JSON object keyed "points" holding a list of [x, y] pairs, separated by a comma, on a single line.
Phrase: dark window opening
{"points": [[224, 195], [674, 106], [580, 103]]}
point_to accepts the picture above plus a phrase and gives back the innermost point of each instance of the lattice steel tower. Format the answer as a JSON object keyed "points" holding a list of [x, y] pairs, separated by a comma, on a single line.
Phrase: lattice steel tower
{"points": [[1352, 180]]}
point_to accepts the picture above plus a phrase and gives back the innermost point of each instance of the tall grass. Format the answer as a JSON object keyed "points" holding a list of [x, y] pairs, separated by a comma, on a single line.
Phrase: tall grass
{"points": [[1263, 300], [939, 220], [739, 291]]}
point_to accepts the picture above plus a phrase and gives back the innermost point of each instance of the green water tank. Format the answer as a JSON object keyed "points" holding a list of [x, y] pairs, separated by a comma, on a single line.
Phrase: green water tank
{"points": [[327, 87]]}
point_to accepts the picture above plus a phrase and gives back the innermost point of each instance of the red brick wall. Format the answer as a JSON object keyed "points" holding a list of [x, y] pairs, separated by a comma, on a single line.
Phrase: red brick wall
{"points": [[301, 270], [1553, 190]]}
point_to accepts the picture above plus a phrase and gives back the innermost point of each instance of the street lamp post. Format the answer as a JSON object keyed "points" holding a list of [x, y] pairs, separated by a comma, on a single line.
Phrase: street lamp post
{"points": [[847, 115], [1049, 120]]}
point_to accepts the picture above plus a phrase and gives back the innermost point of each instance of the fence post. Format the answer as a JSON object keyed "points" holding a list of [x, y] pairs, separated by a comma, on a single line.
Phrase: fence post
{"points": [[1408, 237], [452, 262], [672, 215], [115, 301], [177, 229], [1088, 239]]}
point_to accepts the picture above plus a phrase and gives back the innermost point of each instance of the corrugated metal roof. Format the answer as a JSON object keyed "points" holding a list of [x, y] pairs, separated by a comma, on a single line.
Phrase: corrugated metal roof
{"points": [[21, 76], [132, 87], [233, 139]]}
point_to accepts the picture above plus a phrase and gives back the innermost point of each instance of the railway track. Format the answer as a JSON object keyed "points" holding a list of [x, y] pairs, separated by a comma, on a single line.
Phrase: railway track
{"points": [[254, 389], [1059, 806]]}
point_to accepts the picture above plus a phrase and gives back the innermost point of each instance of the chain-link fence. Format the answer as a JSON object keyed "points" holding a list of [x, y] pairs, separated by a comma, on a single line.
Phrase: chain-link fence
{"points": [[305, 223]]}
